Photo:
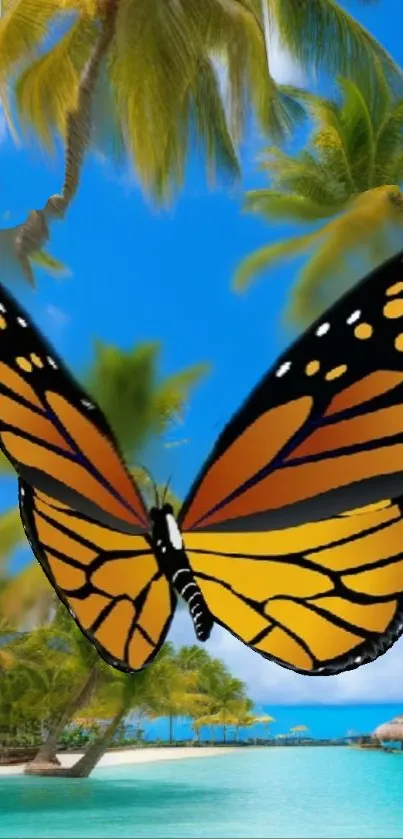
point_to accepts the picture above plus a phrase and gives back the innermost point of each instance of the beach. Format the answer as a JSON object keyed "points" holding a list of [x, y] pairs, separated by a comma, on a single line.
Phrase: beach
{"points": [[124, 757]]}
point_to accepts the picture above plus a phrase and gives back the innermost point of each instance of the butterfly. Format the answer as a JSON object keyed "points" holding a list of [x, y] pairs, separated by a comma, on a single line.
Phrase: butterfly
{"points": [[292, 535]]}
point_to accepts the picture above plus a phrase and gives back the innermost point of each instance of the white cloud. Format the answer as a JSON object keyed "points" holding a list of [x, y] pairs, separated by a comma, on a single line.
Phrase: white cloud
{"points": [[283, 67], [269, 683]]}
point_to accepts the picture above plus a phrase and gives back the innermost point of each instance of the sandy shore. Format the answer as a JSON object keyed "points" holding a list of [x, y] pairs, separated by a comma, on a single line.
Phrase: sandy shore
{"points": [[131, 756]]}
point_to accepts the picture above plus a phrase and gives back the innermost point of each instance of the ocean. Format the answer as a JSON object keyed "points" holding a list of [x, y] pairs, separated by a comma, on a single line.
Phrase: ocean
{"points": [[322, 721], [310, 792]]}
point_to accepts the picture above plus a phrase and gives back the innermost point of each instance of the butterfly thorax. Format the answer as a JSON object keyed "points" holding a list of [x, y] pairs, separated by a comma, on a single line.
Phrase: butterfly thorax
{"points": [[172, 559]]}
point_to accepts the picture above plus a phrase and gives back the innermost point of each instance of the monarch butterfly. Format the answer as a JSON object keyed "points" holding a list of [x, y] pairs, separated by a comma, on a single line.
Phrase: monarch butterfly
{"points": [[292, 535]]}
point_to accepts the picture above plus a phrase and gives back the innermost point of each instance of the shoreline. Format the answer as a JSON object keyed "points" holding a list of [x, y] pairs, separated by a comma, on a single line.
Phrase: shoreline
{"points": [[133, 756]]}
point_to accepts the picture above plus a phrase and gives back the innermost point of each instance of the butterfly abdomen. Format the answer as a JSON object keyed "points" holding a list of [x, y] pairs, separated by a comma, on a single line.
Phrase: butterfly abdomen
{"points": [[184, 584], [174, 564]]}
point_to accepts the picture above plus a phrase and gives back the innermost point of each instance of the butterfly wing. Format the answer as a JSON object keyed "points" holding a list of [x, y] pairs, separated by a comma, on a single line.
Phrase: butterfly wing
{"points": [[278, 560], [109, 581], [83, 515], [56, 438]]}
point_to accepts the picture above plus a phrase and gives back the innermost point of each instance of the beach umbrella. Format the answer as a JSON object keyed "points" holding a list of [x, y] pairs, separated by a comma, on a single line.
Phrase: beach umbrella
{"points": [[390, 731], [264, 719], [298, 729]]}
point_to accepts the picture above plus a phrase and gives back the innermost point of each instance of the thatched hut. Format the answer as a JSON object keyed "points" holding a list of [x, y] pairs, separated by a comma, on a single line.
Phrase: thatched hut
{"points": [[390, 732]]}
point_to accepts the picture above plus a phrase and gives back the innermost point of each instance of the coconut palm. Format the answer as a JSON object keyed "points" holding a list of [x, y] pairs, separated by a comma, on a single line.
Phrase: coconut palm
{"points": [[87, 671], [177, 690], [125, 694], [152, 691], [144, 73], [222, 691], [344, 187], [242, 715]]}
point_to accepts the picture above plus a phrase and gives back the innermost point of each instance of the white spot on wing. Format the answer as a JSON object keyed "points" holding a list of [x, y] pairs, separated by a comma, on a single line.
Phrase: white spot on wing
{"points": [[355, 316], [52, 362], [322, 329], [22, 322], [2, 308], [283, 369], [174, 532], [86, 403]]}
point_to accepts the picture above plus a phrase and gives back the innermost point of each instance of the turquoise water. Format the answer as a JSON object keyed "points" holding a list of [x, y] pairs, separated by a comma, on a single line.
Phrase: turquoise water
{"points": [[321, 720], [285, 792]]}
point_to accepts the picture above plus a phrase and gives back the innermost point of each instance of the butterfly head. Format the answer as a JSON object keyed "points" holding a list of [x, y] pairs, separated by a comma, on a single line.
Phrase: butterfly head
{"points": [[166, 531], [157, 512]]}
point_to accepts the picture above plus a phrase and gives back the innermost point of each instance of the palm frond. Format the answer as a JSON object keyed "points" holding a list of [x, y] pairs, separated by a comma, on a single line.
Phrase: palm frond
{"points": [[151, 36], [322, 34], [342, 236], [277, 206], [358, 134], [264, 258], [47, 90], [11, 533], [23, 27], [50, 264]]}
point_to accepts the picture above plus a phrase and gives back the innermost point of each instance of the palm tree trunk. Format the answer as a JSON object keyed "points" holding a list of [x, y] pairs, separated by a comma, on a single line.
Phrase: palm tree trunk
{"points": [[46, 756], [92, 755], [171, 729], [34, 233]]}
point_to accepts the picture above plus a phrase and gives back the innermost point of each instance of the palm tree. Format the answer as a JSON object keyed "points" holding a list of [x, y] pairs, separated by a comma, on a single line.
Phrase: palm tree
{"points": [[125, 693], [344, 186], [144, 73], [243, 716], [88, 670], [150, 691], [176, 690], [221, 690]]}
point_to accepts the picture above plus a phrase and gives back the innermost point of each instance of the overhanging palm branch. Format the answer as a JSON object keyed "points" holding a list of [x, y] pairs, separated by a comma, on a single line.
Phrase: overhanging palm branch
{"points": [[157, 60], [344, 186]]}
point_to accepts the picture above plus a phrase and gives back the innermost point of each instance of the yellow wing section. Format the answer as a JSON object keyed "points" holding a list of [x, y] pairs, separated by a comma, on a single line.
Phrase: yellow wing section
{"points": [[109, 581], [318, 598]]}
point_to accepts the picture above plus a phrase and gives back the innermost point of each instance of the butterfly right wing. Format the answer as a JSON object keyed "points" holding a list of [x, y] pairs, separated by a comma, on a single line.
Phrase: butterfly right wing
{"points": [[319, 598], [109, 581]]}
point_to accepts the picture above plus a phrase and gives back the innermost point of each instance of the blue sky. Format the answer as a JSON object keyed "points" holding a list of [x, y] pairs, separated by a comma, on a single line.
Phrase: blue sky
{"points": [[138, 274]]}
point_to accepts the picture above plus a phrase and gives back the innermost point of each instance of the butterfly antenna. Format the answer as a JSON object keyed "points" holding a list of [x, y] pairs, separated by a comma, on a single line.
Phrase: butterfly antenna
{"points": [[154, 485], [167, 485]]}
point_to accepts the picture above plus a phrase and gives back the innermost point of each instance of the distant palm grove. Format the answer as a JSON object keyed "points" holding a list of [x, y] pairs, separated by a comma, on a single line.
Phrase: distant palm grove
{"points": [[144, 84]]}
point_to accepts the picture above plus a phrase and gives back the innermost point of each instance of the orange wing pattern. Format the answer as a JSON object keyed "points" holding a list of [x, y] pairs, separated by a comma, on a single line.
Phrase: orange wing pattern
{"points": [[56, 439], [323, 431], [319, 598], [109, 581], [290, 530]]}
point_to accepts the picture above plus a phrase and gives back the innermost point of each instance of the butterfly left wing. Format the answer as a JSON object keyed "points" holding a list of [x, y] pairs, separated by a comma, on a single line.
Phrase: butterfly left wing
{"points": [[82, 512], [321, 435], [56, 438], [109, 581]]}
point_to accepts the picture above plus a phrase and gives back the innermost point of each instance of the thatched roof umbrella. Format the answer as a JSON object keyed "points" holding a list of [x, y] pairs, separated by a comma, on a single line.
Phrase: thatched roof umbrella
{"points": [[390, 731]]}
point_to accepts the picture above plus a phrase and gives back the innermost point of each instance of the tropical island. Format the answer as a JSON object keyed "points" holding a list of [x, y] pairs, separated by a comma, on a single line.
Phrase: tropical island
{"points": [[156, 89]]}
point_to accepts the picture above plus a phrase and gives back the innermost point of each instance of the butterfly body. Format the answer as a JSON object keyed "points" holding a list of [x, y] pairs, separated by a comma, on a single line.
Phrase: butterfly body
{"points": [[167, 544]]}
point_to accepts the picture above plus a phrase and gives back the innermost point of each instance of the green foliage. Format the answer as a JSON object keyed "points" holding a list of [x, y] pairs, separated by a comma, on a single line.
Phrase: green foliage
{"points": [[161, 72], [344, 187], [138, 406]]}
